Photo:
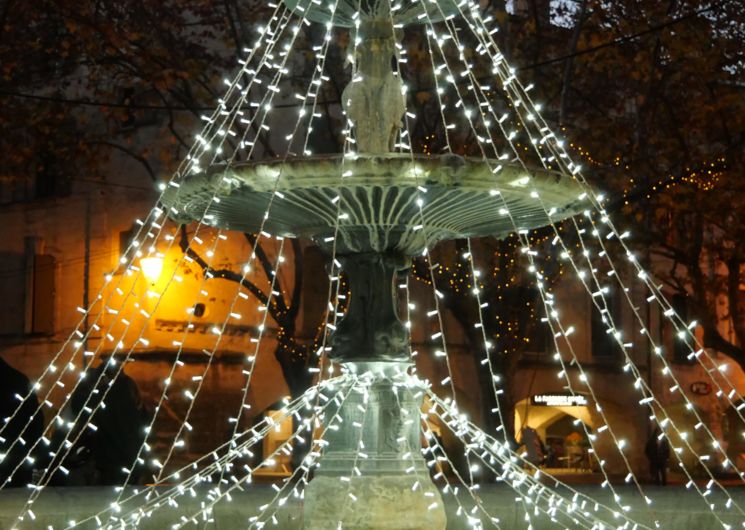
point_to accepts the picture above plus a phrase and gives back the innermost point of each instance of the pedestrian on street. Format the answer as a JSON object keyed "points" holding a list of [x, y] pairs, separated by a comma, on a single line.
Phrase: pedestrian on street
{"points": [[657, 451]]}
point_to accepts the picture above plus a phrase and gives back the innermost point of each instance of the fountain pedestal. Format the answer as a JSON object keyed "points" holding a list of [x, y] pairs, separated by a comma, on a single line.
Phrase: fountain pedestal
{"points": [[372, 475]]}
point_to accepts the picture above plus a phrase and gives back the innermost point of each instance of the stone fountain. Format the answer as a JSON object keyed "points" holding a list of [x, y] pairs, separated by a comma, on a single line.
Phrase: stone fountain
{"points": [[392, 206]]}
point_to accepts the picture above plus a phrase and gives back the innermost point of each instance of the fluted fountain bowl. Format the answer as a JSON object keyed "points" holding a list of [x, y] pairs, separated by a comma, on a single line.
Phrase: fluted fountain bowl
{"points": [[376, 203]]}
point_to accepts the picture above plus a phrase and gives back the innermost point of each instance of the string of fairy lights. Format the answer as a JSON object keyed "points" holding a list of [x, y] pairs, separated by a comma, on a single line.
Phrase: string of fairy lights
{"points": [[499, 453], [474, 272], [112, 339], [331, 308], [78, 336], [313, 456], [265, 313], [312, 92], [349, 384], [698, 354], [319, 411], [129, 262], [70, 444], [449, 378], [431, 266], [233, 449], [436, 464], [420, 201], [649, 397], [126, 263], [536, 499], [320, 70], [279, 501], [589, 435], [624, 289], [520, 478], [681, 334], [409, 382], [564, 371], [438, 91], [684, 330]]}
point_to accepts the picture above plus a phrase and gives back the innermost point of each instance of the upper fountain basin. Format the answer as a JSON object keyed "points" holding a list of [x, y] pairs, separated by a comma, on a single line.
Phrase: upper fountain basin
{"points": [[375, 203]]}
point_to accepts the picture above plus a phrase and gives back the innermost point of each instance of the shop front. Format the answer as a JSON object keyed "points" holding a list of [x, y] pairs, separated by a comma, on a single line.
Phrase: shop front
{"points": [[550, 427]]}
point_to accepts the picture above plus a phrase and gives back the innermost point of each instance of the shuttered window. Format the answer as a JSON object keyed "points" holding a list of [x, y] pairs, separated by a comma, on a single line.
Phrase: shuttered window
{"points": [[42, 314]]}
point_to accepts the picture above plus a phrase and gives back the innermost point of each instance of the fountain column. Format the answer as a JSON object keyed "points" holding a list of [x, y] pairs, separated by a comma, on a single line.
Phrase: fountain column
{"points": [[372, 475]]}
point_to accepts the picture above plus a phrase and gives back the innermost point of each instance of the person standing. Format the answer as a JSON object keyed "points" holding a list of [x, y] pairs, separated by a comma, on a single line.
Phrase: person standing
{"points": [[101, 455], [536, 451], [657, 451], [26, 419]]}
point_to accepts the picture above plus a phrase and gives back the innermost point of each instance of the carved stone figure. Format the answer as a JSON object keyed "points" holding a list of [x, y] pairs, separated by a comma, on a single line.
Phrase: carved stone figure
{"points": [[374, 100]]}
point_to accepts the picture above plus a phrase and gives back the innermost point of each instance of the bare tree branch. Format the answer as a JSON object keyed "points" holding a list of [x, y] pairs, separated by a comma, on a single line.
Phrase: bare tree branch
{"points": [[141, 159]]}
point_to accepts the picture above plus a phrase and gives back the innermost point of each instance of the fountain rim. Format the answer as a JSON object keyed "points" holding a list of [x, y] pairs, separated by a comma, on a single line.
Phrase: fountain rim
{"points": [[392, 169], [307, 182]]}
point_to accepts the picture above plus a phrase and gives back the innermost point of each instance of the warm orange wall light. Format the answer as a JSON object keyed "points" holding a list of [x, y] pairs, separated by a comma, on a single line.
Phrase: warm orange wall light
{"points": [[152, 267]]}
